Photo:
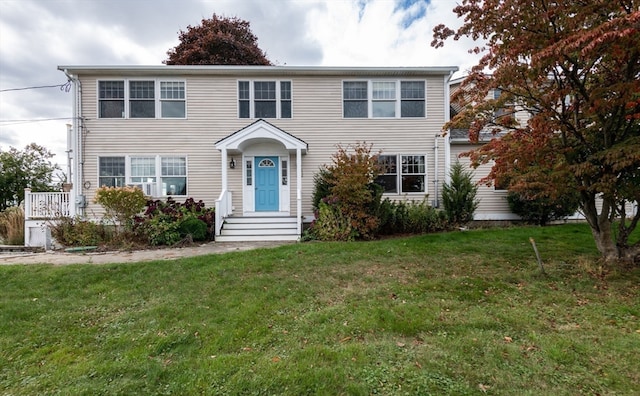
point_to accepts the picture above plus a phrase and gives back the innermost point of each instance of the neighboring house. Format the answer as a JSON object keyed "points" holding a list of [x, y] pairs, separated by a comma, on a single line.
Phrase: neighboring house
{"points": [[493, 203], [492, 199], [249, 139]]}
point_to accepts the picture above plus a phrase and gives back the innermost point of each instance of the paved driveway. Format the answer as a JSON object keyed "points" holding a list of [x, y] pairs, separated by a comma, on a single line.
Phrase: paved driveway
{"points": [[63, 258]]}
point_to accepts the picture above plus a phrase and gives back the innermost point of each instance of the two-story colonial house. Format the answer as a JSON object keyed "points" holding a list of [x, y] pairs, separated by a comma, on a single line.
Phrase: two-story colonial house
{"points": [[249, 139]]}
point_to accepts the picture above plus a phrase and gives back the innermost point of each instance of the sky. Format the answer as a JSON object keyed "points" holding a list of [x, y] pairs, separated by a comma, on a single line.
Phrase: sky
{"points": [[36, 36]]}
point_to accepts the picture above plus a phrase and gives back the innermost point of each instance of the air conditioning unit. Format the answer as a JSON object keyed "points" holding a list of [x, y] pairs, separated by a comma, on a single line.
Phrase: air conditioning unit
{"points": [[149, 189]]}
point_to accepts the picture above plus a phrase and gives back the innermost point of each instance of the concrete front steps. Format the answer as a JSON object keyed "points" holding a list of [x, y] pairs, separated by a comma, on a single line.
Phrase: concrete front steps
{"points": [[272, 228]]}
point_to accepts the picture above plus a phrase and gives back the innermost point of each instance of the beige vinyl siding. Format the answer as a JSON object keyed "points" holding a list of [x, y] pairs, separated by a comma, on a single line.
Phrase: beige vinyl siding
{"points": [[212, 115], [493, 203]]}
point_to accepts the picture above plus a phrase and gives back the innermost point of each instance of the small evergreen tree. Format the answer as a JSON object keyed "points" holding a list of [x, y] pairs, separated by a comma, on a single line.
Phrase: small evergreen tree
{"points": [[459, 196]]}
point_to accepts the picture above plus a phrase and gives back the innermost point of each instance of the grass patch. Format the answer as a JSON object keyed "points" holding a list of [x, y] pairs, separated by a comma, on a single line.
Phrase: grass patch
{"points": [[461, 313]]}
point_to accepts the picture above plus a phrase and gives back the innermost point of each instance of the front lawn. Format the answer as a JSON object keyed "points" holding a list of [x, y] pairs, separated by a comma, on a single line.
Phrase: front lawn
{"points": [[459, 313]]}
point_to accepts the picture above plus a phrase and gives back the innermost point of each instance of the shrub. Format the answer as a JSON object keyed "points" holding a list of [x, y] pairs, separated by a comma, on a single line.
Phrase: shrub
{"points": [[410, 218], [331, 224], [121, 204], [540, 209], [162, 222], [195, 228], [459, 196], [76, 231], [12, 226], [352, 192]]}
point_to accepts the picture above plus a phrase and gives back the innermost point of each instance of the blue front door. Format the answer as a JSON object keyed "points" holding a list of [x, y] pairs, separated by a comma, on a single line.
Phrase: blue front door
{"points": [[267, 186]]}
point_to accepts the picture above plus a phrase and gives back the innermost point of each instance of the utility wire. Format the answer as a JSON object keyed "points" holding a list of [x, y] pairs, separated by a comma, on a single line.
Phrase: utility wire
{"points": [[66, 87], [18, 122]]}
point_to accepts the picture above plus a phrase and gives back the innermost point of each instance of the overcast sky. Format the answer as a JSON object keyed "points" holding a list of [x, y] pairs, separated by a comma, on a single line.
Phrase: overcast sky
{"points": [[38, 35]]}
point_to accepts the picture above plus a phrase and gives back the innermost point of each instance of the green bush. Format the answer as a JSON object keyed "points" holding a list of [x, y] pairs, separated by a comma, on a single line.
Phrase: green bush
{"points": [[410, 218], [162, 222], [541, 210], [193, 227], [121, 204], [332, 225], [459, 196]]}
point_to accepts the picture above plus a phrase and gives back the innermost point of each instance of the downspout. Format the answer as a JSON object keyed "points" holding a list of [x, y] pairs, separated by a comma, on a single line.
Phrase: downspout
{"points": [[76, 146], [446, 134], [435, 202]]}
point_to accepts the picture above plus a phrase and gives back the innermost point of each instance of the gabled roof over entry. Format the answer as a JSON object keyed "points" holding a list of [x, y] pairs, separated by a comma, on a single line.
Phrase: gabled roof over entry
{"points": [[260, 132]]}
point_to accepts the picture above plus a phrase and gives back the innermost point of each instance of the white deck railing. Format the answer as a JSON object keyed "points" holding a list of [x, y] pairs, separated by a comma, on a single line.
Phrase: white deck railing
{"points": [[47, 205], [223, 209]]}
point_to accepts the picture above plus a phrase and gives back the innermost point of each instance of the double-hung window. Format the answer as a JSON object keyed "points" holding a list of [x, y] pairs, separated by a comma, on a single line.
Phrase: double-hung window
{"points": [[142, 102], [402, 173], [383, 99], [172, 99], [155, 175], [355, 99], [264, 99], [111, 172], [111, 99], [141, 99]]}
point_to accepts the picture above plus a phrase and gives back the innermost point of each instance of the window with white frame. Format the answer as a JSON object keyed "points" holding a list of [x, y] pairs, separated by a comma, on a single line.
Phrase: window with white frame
{"points": [[355, 99], [145, 99], [142, 103], [111, 172], [172, 99], [111, 99], [174, 176], [384, 99], [264, 99], [155, 175], [402, 173]]}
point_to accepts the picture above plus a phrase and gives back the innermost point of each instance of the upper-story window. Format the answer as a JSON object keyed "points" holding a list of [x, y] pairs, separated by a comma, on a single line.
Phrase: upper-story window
{"points": [[383, 99], [264, 99], [145, 99]]}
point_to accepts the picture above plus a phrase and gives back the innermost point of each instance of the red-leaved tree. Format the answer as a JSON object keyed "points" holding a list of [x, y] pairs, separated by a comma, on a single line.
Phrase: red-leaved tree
{"points": [[575, 67], [217, 41]]}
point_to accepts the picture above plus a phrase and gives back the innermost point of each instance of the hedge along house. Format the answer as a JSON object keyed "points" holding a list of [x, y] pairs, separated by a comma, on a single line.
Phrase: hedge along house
{"points": [[249, 139]]}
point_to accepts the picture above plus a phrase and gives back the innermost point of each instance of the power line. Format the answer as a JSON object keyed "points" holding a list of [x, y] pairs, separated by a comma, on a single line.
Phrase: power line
{"points": [[66, 87], [18, 122]]}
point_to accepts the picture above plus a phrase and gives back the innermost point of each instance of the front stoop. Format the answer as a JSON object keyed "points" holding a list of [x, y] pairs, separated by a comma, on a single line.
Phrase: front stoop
{"points": [[241, 229]]}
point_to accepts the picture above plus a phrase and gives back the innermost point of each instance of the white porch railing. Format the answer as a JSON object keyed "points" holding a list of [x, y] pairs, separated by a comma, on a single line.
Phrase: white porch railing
{"points": [[223, 209], [47, 205]]}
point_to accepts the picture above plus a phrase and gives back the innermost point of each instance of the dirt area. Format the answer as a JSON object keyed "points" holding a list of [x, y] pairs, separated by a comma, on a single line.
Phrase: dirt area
{"points": [[87, 257]]}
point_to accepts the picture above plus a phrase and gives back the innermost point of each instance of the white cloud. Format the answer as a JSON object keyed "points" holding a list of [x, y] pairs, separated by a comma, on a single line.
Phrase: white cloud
{"points": [[38, 35]]}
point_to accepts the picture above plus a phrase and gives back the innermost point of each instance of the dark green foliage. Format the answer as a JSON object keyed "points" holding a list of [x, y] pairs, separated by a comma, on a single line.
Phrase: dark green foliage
{"points": [[409, 218], [321, 187], [542, 210], [30, 167], [161, 223], [194, 227], [459, 196]]}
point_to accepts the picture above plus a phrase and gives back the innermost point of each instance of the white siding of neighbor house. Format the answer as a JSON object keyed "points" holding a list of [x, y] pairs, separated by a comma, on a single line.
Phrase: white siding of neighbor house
{"points": [[212, 115]]}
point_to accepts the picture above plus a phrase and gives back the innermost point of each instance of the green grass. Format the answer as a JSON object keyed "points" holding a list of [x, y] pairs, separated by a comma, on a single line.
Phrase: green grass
{"points": [[462, 313]]}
